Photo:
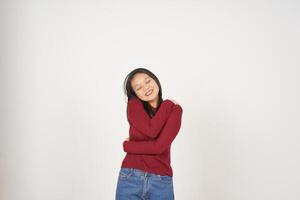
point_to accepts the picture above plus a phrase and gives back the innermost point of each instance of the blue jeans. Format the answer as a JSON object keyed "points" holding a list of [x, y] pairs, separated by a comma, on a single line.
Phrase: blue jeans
{"points": [[135, 184]]}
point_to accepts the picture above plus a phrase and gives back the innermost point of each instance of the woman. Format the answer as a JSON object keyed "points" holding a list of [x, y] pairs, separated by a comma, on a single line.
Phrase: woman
{"points": [[146, 172]]}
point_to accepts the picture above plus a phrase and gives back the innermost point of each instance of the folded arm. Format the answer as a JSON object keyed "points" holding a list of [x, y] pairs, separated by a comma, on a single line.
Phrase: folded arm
{"points": [[164, 140], [138, 117]]}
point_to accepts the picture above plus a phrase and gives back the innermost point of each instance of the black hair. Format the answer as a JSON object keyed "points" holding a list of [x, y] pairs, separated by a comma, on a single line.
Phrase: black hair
{"points": [[129, 92]]}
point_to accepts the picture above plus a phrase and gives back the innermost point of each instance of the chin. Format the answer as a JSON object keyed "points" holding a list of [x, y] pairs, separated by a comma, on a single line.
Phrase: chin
{"points": [[151, 98]]}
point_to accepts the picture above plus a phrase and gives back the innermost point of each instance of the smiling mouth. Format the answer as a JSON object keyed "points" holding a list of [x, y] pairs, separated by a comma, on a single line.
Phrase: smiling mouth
{"points": [[149, 92]]}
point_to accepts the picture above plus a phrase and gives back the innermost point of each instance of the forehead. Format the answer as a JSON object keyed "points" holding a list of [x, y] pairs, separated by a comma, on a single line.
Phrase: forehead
{"points": [[139, 78]]}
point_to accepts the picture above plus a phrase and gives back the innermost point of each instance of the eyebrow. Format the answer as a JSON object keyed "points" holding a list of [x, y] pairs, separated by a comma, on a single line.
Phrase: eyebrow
{"points": [[144, 80]]}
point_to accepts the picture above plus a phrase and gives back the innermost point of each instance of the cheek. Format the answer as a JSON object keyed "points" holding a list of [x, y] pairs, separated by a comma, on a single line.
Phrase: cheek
{"points": [[140, 94], [156, 87]]}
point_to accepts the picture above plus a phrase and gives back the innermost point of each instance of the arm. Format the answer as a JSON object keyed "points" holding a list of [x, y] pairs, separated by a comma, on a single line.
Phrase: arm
{"points": [[138, 117], [164, 140]]}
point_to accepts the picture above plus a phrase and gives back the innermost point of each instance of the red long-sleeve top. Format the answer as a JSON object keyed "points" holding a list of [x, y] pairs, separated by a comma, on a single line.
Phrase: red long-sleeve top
{"points": [[151, 138]]}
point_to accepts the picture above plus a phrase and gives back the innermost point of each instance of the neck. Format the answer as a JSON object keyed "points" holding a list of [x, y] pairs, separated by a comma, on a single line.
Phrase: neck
{"points": [[154, 102]]}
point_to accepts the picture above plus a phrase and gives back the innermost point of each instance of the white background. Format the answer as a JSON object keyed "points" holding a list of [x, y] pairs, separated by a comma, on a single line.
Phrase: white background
{"points": [[232, 65]]}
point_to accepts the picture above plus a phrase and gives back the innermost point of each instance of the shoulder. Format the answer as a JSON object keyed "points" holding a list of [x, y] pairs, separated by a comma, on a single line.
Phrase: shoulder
{"points": [[177, 110], [178, 107]]}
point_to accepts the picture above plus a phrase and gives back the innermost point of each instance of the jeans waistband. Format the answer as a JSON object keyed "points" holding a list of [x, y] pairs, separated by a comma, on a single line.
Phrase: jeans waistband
{"points": [[140, 172]]}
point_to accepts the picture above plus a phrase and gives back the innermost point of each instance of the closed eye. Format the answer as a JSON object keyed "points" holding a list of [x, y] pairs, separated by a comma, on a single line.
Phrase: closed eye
{"points": [[148, 81]]}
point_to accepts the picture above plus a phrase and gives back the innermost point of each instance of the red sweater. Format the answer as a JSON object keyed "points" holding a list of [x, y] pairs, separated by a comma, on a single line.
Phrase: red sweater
{"points": [[151, 138]]}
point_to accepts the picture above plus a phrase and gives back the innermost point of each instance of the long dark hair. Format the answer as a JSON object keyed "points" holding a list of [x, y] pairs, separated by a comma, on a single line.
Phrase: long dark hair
{"points": [[129, 92]]}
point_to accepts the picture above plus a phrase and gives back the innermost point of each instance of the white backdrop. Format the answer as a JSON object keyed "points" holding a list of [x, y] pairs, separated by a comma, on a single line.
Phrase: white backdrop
{"points": [[232, 65]]}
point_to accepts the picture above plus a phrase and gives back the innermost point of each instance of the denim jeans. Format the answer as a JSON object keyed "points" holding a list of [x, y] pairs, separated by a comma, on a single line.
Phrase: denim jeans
{"points": [[135, 184]]}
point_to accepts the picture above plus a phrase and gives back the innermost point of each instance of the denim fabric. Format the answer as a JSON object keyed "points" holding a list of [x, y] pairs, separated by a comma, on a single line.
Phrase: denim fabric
{"points": [[135, 184]]}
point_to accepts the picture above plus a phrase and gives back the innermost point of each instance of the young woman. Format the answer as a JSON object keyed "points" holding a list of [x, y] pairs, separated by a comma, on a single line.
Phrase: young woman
{"points": [[146, 171]]}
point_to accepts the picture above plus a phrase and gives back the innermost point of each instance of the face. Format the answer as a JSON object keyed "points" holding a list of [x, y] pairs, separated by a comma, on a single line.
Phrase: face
{"points": [[142, 84]]}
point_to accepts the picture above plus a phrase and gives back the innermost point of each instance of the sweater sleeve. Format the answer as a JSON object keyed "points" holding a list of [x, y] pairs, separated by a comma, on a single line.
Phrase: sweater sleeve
{"points": [[138, 117], [166, 137]]}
